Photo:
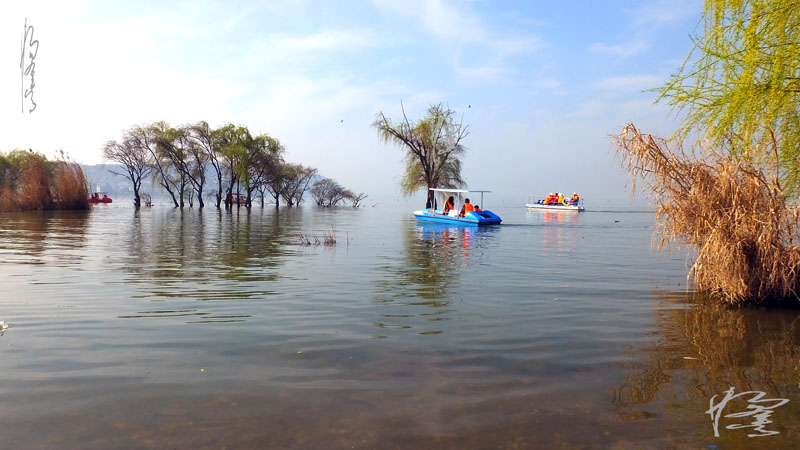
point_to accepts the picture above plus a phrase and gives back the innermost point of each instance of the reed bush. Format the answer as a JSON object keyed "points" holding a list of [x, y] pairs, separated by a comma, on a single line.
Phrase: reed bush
{"points": [[70, 188], [31, 182], [741, 222], [33, 190]]}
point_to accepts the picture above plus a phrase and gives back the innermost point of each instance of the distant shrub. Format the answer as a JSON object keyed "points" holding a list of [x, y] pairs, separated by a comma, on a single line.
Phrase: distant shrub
{"points": [[28, 181]]}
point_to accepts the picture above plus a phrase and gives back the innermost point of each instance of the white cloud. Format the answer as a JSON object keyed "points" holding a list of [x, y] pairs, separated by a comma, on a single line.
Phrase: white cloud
{"points": [[626, 49], [328, 40], [491, 55], [643, 25], [449, 21], [629, 83]]}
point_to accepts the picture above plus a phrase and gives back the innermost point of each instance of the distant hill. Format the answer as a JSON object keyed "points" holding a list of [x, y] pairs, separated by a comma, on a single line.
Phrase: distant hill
{"points": [[101, 179]]}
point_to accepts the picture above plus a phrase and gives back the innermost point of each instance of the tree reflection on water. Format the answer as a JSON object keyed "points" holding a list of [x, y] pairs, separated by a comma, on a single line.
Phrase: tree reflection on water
{"points": [[45, 237], [702, 349], [206, 256], [426, 276]]}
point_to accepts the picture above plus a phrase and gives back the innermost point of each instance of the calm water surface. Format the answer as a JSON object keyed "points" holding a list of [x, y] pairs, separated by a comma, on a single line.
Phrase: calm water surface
{"points": [[185, 329]]}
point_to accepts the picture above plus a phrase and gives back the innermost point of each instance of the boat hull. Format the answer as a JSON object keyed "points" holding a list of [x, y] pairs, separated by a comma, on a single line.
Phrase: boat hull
{"points": [[540, 207], [474, 218]]}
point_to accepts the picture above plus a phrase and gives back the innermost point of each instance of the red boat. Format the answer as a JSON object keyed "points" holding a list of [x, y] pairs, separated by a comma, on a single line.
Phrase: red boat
{"points": [[96, 198]]}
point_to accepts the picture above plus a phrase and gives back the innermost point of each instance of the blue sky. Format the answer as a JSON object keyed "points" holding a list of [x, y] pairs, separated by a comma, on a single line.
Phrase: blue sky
{"points": [[542, 85]]}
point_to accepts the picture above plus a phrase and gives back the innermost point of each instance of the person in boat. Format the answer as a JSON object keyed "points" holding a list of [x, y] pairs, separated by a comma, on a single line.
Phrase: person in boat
{"points": [[448, 205], [560, 198], [575, 198], [466, 208], [477, 208]]}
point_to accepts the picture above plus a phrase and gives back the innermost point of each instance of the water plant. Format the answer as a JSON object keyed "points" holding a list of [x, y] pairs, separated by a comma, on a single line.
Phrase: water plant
{"points": [[28, 181], [742, 223]]}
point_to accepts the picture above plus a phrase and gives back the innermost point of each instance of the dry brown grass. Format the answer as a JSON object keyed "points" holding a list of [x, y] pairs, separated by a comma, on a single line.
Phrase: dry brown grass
{"points": [[33, 184], [36, 184], [741, 222], [70, 189]]}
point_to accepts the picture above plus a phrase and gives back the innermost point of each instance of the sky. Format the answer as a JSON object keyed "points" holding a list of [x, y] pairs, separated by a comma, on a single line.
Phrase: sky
{"points": [[543, 86]]}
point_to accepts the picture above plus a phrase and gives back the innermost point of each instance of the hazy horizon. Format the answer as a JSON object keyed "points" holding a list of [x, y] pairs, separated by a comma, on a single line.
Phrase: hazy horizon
{"points": [[542, 87]]}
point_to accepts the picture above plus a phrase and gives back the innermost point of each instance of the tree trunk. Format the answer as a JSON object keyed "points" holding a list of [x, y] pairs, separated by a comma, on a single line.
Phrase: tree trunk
{"points": [[219, 188]]}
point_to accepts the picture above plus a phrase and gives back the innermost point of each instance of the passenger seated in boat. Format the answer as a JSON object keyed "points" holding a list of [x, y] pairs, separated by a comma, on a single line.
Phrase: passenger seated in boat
{"points": [[477, 208], [448, 205], [466, 208], [575, 198]]}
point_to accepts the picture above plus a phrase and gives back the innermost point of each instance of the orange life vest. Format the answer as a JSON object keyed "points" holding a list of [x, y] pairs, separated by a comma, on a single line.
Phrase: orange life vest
{"points": [[467, 208], [575, 198], [477, 209], [448, 206]]}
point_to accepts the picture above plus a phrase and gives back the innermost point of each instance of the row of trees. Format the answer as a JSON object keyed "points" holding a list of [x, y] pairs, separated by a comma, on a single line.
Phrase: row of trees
{"points": [[327, 192], [227, 163]]}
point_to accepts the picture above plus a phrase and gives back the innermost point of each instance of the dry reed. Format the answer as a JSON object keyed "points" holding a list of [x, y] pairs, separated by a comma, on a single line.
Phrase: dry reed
{"points": [[741, 223], [70, 189], [37, 184], [33, 184]]}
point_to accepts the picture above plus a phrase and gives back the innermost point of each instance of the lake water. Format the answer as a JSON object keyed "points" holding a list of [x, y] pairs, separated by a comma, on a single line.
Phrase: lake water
{"points": [[185, 329]]}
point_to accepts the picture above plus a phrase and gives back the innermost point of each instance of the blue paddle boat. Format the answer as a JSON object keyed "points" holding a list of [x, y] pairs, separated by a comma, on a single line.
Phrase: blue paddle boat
{"points": [[480, 217]]}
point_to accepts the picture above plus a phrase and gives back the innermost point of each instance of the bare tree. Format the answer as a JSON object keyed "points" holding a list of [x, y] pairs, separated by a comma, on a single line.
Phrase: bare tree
{"points": [[357, 198], [134, 161], [143, 138], [327, 192], [296, 180]]}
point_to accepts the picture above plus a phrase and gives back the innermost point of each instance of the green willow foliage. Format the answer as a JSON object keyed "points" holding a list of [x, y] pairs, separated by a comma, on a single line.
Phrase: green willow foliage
{"points": [[432, 145], [740, 84]]}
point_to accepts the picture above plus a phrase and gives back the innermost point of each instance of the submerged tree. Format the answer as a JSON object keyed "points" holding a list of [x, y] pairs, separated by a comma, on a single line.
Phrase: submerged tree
{"points": [[296, 179], [356, 199], [740, 85], [264, 157], [327, 192], [232, 143], [143, 137], [172, 149], [206, 141], [433, 148], [134, 161]]}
